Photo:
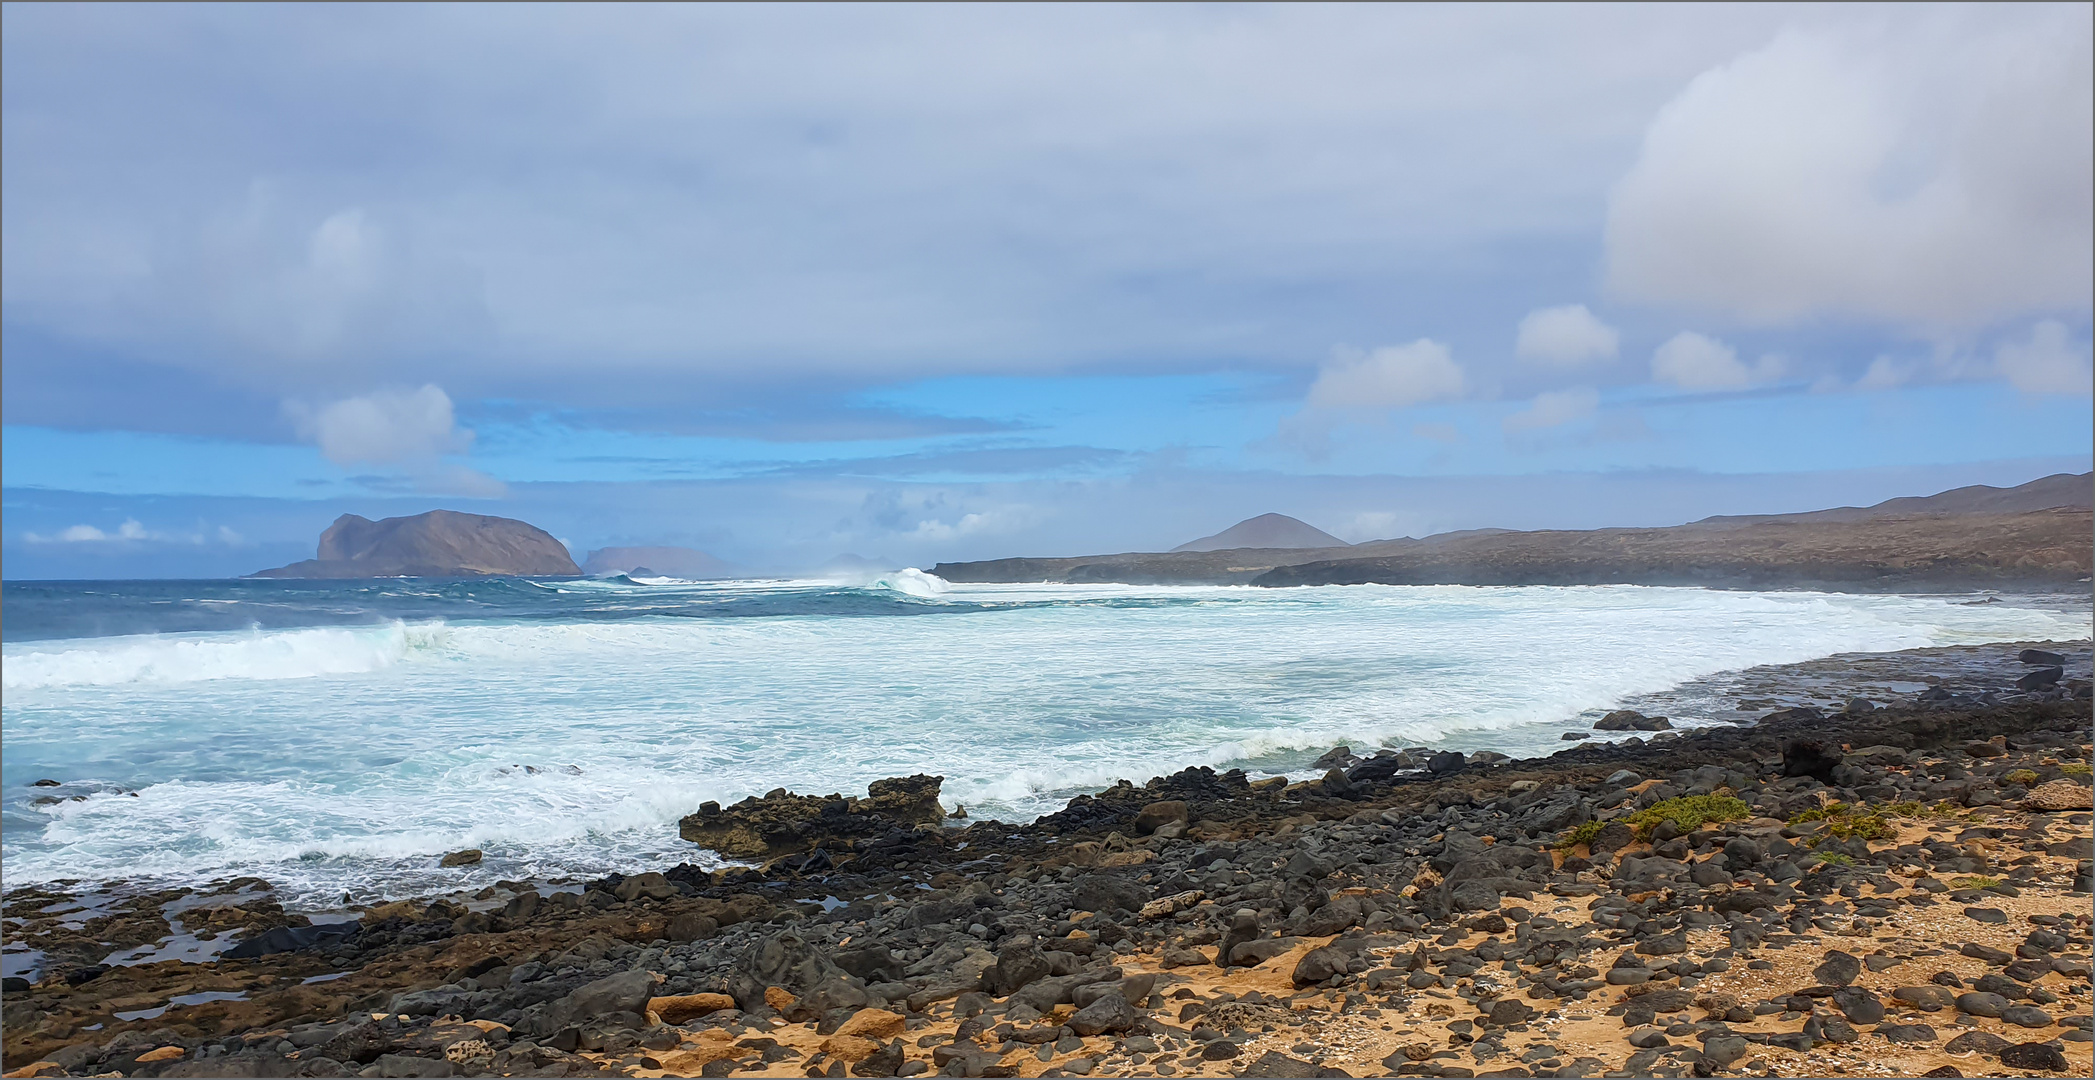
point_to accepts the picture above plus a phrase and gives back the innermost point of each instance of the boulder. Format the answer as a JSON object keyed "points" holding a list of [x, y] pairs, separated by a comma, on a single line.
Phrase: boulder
{"points": [[1858, 1005], [1975, 1041], [1447, 761], [788, 962], [1019, 964], [1106, 893], [1275, 1063], [468, 857], [1159, 814], [2041, 1058], [1254, 953], [1109, 1013], [1839, 969], [2060, 794], [782, 823], [2043, 678], [626, 992], [1810, 757], [1318, 965]]}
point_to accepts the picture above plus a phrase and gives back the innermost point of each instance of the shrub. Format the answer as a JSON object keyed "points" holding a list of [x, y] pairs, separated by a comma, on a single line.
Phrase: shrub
{"points": [[1975, 883], [2025, 777], [1688, 813], [1584, 834], [1834, 857], [2077, 768]]}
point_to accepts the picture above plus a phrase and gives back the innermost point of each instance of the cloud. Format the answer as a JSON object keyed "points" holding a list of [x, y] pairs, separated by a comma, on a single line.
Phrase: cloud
{"points": [[132, 532], [1694, 361], [813, 202], [2049, 362], [1555, 408], [410, 429], [1565, 336], [88, 534], [385, 427], [1930, 174], [1885, 373], [1391, 377]]}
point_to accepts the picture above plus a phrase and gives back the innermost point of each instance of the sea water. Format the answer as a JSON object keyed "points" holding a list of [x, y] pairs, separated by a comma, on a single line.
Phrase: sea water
{"points": [[337, 737]]}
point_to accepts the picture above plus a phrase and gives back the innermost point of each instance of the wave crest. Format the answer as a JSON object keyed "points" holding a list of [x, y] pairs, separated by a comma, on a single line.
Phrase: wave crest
{"points": [[293, 654]]}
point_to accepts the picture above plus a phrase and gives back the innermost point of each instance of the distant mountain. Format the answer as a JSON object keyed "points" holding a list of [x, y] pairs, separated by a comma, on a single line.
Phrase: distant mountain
{"points": [[2035, 536], [440, 543], [1266, 531], [678, 562], [2075, 490]]}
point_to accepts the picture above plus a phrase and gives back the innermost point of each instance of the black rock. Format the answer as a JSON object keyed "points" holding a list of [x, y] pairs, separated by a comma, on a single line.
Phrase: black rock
{"points": [[2037, 1057], [1810, 757], [2040, 656], [1858, 1005], [1984, 1042], [1447, 761], [1840, 969], [2041, 679], [285, 939], [1907, 1033], [1105, 892]]}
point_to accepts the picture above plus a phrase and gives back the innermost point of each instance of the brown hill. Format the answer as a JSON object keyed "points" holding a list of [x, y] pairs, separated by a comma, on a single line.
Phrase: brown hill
{"points": [[440, 543], [1266, 531], [2034, 536]]}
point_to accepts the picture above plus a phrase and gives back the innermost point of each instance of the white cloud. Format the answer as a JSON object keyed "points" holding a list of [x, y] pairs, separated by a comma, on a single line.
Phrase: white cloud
{"points": [[385, 427], [1933, 174], [1565, 336], [1885, 373], [1695, 361], [89, 534], [1555, 408], [2049, 362], [984, 523], [1391, 377], [411, 430]]}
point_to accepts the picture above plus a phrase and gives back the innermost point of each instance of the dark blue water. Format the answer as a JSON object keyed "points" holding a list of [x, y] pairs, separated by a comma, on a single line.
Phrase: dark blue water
{"points": [[50, 610]]}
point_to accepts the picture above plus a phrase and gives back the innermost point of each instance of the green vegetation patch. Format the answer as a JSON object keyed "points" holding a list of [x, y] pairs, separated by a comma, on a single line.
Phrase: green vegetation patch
{"points": [[2077, 768], [1834, 858], [1975, 883], [1584, 834], [2025, 777], [1688, 813]]}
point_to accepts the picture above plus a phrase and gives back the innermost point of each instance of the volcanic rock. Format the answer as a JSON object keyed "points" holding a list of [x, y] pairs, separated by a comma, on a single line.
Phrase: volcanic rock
{"points": [[783, 823]]}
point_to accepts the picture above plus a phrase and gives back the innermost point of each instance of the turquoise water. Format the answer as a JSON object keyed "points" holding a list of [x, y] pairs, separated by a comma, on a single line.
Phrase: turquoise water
{"points": [[338, 736]]}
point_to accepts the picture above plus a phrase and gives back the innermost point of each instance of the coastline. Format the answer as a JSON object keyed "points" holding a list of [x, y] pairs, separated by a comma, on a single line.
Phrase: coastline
{"points": [[810, 927]]}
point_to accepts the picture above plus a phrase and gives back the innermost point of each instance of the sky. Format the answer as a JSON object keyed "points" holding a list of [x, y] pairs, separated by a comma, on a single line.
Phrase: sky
{"points": [[929, 283]]}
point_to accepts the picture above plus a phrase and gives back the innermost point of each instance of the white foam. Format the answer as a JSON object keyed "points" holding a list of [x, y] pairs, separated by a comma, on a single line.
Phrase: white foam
{"points": [[185, 658], [350, 758]]}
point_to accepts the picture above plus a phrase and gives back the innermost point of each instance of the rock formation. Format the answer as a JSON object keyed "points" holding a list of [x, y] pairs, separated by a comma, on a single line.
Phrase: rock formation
{"points": [[440, 543], [782, 823]]}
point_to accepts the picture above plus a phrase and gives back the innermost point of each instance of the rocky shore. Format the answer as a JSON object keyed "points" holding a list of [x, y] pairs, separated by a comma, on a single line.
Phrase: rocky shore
{"points": [[1899, 887]]}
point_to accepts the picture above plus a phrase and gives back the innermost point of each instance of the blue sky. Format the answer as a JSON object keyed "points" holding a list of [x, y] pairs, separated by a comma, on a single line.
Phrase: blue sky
{"points": [[931, 283]]}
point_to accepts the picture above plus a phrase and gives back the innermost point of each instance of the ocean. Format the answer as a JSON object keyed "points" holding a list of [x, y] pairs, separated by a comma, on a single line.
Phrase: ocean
{"points": [[337, 737]]}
